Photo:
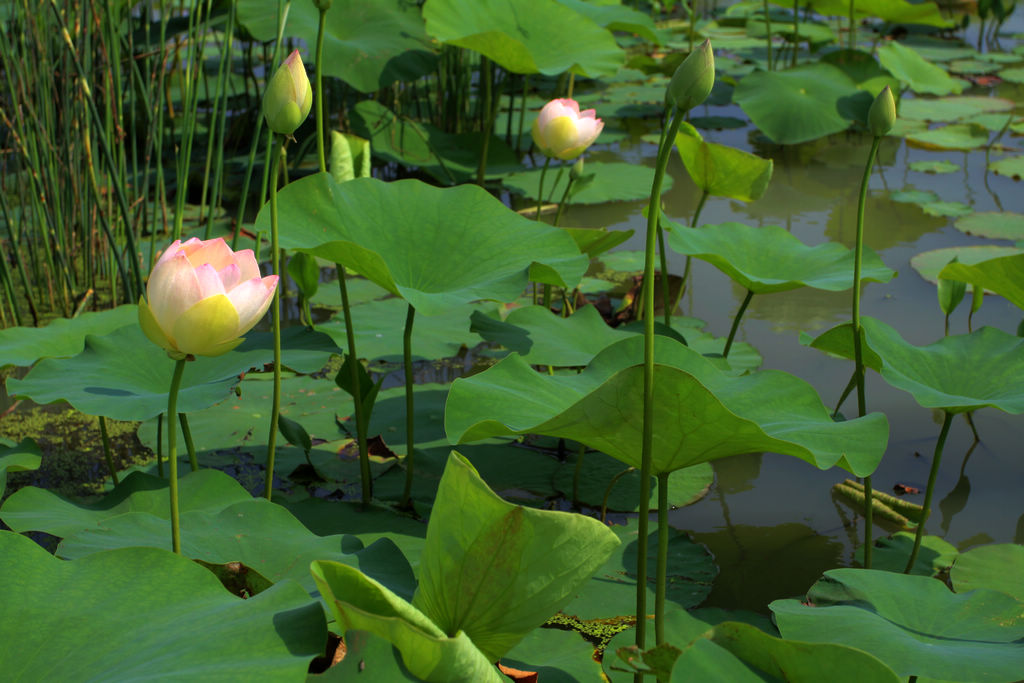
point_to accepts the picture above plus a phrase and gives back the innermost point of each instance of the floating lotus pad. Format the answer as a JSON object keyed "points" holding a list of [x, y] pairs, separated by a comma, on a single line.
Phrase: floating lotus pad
{"points": [[929, 263], [1004, 276], [895, 11], [440, 248], [958, 373], [63, 337], [723, 171], [798, 104], [1012, 167], [526, 38], [367, 45], [149, 613], [997, 567], [617, 18], [490, 573], [770, 259], [912, 623], [701, 414], [941, 166], [951, 108], [613, 181], [911, 68], [954, 136]]}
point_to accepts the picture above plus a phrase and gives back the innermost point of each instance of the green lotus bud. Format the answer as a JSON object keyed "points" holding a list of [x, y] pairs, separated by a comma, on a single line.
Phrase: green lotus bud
{"points": [[882, 114], [322, 5], [692, 81], [288, 98], [576, 172]]}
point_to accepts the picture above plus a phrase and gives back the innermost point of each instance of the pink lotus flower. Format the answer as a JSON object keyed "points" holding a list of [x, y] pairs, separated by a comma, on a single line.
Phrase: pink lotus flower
{"points": [[562, 131], [203, 297]]}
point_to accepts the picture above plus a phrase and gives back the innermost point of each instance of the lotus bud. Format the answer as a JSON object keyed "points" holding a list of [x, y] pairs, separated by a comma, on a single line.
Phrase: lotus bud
{"points": [[576, 172], [562, 131], [322, 5], [882, 114], [288, 98], [202, 297], [691, 84]]}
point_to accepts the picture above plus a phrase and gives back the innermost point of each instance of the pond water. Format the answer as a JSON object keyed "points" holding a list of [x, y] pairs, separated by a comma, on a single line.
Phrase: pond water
{"points": [[767, 510]]}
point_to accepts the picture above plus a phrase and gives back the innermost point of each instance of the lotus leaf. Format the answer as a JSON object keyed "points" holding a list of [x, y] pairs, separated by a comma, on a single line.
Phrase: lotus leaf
{"points": [[928, 264], [148, 613], [613, 181], [700, 414], [21, 457], [919, 74], [912, 623], [894, 11], [441, 248], [1012, 166], [1003, 275], [998, 567], [953, 136], [723, 171], [951, 108], [61, 338]]}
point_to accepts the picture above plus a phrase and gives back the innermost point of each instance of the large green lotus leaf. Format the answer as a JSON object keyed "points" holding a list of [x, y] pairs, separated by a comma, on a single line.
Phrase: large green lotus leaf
{"points": [[612, 590], [895, 11], [124, 376], [799, 662], [35, 509], [1012, 166], [369, 45], [614, 181], [912, 623], [142, 613], [526, 36], [723, 171], [436, 248], [63, 337], [999, 225], [700, 413], [19, 457], [890, 553], [953, 136], [1004, 276], [450, 157], [921, 76], [368, 656], [263, 536], [958, 373], [359, 603], [616, 17], [380, 325], [951, 108], [771, 259], [542, 338], [495, 570], [929, 264], [797, 104], [556, 655], [302, 349], [999, 567]]}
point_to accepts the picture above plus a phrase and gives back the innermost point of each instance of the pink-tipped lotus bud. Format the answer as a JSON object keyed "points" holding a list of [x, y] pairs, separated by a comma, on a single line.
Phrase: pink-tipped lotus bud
{"points": [[562, 131], [288, 98]]}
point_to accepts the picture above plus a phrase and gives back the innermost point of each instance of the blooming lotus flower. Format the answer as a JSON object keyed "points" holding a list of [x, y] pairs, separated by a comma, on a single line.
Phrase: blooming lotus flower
{"points": [[288, 98], [203, 297], [562, 131]]}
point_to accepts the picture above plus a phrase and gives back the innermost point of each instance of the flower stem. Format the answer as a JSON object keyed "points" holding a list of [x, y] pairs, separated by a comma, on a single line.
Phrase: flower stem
{"points": [[858, 354], [319, 98], [540, 189], [106, 449], [662, 571], [359, 408], [666, 292], [410, 416], [927, 505], [275, 309], [172, 453], [736, 322], [648, 423], [189, 445]]}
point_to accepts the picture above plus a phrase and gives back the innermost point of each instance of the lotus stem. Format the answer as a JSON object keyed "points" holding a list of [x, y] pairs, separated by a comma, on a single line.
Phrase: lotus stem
{"points": [[275, 309], [172, 454], [662, 571], [189, 445], [768, 34], [608, 492], [736, 322], [666, 292], [858, 352], [160, 445], [410, 416], [562, 201], [576, 476], [540, 188], [648, 419], [319, 98], [106, 449], [927, 504]]}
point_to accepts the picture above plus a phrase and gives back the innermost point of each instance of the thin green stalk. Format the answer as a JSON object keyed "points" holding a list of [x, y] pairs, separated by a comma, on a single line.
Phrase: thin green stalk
{"points": [[522, 111], [576, 475], [562, 202], [540, 187], [410, 421], [160, 445], [319, 103], [364, 453], [275, 308], [648, 420], [858, 354], [189, 445], [736, 322], [796, 31], [172, 454], [927, 504], [106, 449], [852, 38], [768, 33], [666, 291], [661, 578], [489, 113], [693, 224]]}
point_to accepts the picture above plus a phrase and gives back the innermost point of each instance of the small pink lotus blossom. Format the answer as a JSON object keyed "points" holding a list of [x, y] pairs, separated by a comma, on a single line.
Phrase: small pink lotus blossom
{"points": [[202, 297], [562, 131]]}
